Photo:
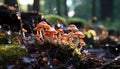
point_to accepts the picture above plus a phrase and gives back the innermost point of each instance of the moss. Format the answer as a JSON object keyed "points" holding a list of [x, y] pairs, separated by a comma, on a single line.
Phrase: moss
{"points": [[10, 54], [77, 21], [3, 38], [55, 19]]}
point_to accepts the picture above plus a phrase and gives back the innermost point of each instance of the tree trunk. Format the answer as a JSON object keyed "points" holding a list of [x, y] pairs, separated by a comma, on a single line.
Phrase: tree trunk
{"points": [[29, 7], [50, 4], [106, 9], [65, 7], [93, 8], [36, 5], [58, 2]]}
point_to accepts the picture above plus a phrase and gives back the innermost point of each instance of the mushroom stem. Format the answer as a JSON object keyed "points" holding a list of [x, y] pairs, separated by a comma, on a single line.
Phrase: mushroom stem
{"points": [[23, 34], [77, 42], [71, 41], [51, 38], [41, 34], [80, 48], [37, 32], [59, 35]]}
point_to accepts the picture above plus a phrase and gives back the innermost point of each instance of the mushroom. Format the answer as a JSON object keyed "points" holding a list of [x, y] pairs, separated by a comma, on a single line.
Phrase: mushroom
{"points": [[47, 36], [43, 54], [61, 39], [79, 36], [60, 31], [55, 38], [52, 32], [82, 43], [45, 26], [38, 36], [41, 24], [55, 61], [45, 59], [39, 33], [72, 28], [23, 32], [38, 30], [70, 38], [66, 42]]}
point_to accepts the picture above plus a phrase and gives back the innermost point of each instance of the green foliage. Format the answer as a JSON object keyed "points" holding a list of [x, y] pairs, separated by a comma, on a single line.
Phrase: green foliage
{"points": [[55, 18], [114, 26], [1, 1], [111, 25], [116, 11], [78, 21], [50, 6], [11, 54], [3, 38], [83, 8]]}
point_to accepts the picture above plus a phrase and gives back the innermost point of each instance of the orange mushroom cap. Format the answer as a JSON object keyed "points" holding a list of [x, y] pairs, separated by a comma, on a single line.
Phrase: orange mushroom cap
{"points": [[70, 34], [35, 28], [38, 36], [65, 35], [38, 28], [60, 31], [24, 30], [82, 43], [47, 33], [53, 31], [79, 34], [61, 38], [47, 26], [72, 27], [41, 24], [55, 37]]}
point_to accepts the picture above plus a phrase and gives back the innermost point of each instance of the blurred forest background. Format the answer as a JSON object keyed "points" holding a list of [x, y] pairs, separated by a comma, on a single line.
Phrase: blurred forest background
{"points": [[104, 12]]}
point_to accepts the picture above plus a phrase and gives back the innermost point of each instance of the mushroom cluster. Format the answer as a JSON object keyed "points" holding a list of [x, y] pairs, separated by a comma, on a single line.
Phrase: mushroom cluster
{"points": [[46, 33], [50, 41]]}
